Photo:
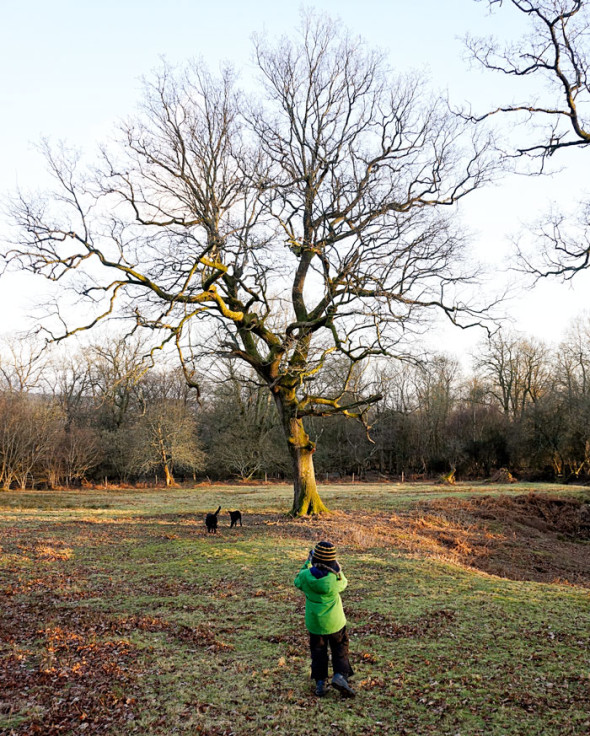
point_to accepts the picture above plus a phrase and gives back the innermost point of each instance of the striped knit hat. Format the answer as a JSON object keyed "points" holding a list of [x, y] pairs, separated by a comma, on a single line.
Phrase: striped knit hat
{"points": [[325, 552]]}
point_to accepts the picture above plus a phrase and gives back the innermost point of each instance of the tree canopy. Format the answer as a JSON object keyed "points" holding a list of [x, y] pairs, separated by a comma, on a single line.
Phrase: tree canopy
{"points": [[284, 227]]}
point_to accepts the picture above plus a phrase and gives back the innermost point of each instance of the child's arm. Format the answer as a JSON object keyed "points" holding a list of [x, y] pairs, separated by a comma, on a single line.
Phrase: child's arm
{"points": [[342, 582], [306, 565]]}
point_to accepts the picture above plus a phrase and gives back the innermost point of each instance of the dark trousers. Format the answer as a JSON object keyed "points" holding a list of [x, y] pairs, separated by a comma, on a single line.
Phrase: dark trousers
{"points": [[338, 642]]}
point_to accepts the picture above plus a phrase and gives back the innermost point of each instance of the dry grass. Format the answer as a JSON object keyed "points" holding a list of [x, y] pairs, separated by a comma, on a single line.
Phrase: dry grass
{"points": [[121, 615]]}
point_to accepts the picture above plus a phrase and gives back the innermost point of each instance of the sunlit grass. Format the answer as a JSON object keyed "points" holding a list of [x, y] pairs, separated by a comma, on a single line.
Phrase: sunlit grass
{"points": [[202, 633]]}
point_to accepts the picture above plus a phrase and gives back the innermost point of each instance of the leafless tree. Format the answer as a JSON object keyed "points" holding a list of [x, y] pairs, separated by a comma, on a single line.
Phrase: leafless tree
{"points": [[165, 438], [68, 380], [516, 371], [556, 53], [29, 427], [116, 365], [311, 223], [572, 398], [436, 388], [74, 452], [241, 427], [23, 366], [573, 362]]}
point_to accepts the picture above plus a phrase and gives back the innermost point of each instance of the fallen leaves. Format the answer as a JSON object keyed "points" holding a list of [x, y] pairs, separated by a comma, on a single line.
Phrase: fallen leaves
{"points": [[66, 666], [381, 625]]}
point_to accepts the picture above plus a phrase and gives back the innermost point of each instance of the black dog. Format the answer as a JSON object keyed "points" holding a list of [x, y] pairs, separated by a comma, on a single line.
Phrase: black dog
{"points": [[235, 516], [211, 521]]}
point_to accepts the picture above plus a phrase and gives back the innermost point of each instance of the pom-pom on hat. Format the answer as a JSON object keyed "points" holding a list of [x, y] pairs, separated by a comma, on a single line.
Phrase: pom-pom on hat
{"points": [[324, 552]]}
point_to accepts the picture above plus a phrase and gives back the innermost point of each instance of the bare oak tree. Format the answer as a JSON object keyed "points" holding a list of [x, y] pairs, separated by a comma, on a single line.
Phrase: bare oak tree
{"points": [[556, 53], [165, 438], [516, 371], [22, 368], [310, 223]]}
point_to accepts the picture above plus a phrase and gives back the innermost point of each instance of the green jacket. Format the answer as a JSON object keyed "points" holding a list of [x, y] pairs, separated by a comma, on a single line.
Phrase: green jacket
{"points": [[323, 607]]}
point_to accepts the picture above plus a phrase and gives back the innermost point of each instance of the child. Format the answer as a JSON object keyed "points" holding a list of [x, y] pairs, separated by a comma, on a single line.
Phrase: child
{"points": [[322, 581]]}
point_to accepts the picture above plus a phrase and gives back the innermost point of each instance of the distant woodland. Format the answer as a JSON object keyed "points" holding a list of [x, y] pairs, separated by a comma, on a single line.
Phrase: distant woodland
{"points": [[99, 416]]}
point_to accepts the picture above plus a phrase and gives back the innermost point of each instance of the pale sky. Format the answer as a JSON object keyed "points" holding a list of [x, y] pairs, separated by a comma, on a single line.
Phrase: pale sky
{"points": [[71, 68]]}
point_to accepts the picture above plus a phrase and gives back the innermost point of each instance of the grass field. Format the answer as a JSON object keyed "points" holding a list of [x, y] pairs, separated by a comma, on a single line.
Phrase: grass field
{"points": [[468, 607]]}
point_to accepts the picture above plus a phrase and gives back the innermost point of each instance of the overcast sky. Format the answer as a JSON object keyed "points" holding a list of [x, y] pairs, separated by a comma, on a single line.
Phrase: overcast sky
{"points": [[70, 69]]}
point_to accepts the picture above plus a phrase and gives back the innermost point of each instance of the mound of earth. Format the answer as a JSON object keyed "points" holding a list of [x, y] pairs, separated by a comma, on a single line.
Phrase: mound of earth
{"points": [[527, 537], [542, 512], [538, 537], [503, 475]]}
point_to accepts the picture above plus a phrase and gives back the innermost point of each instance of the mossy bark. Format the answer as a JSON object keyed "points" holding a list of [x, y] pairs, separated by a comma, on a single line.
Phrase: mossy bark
{"points": [[306, 499], [169, 477]]}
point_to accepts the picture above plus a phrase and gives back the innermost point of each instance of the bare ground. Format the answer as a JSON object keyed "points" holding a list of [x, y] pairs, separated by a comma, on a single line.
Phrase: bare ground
{"points": [[535, 537]]}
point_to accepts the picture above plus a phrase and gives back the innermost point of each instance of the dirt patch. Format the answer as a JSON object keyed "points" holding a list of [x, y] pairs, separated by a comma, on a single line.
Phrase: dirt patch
{"points": [[545, 513], [528, 537]]}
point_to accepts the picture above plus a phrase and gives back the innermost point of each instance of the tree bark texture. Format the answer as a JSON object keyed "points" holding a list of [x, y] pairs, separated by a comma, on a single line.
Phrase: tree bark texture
{"points": [[306, 499], [169, 477]]}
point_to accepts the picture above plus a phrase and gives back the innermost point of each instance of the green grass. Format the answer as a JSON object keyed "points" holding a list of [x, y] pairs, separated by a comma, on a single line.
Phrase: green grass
{"points": [[122, 594]]}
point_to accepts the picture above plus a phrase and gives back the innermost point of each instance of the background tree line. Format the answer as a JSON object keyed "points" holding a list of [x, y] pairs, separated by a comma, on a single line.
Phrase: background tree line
{"points": [[99, 415], [302, 233]]}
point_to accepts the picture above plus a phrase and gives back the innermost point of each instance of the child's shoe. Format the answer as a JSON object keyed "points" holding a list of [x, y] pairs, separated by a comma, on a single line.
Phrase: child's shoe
{"points": [[341, 683], [320, 688]]}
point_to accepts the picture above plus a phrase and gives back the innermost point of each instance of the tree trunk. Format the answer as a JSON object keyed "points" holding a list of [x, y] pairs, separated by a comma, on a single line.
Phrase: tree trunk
{"points": [[164, 455], [169, 477], [306, 499]]}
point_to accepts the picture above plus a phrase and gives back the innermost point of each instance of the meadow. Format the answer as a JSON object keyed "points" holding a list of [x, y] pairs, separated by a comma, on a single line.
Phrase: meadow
{"points": [[468, 608]]}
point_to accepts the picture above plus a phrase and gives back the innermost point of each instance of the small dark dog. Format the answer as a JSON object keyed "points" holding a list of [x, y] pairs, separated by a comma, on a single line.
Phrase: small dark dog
{"points": [[235, 516], [211, 521]]}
